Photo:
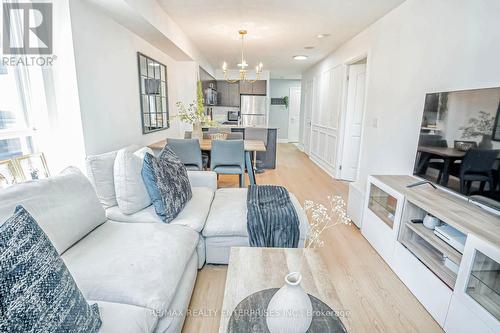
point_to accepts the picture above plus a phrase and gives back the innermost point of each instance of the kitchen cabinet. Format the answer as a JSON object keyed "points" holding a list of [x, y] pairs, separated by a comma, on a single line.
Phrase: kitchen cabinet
{"points": [[228, 93], [258, 87]]}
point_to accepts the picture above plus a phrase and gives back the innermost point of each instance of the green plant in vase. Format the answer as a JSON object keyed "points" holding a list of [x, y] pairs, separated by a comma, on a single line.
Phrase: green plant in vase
{"points": [[194, 114]]}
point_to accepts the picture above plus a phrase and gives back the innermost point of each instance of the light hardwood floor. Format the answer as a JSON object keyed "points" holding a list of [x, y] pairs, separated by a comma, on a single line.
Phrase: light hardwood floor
{"points": [[376, 299]]}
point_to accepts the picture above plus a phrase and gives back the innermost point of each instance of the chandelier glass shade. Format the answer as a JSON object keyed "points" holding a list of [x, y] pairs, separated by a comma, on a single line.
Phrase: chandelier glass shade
{"points": [[242, 65]]}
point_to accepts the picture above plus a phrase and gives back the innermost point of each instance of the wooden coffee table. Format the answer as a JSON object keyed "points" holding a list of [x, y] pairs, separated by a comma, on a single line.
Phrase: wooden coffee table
{"points": [[254, 269]]}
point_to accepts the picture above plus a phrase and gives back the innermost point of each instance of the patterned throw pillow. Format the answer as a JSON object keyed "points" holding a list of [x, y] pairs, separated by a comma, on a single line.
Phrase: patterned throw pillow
{"points": [[167, 183], [37, 292]]}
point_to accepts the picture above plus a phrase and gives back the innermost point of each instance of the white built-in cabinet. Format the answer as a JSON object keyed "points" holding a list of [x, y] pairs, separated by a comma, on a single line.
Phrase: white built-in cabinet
{"points": [[328, 90], [475, 305], [467, 300], [382, 216]]}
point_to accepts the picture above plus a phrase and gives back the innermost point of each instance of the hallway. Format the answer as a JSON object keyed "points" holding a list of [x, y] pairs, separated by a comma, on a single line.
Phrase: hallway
{"points": [[376, 299]]}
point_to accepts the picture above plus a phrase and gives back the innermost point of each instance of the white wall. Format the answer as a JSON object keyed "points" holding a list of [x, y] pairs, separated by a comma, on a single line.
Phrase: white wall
{"points": [[421, 46], [278, 114], [108, 83]]}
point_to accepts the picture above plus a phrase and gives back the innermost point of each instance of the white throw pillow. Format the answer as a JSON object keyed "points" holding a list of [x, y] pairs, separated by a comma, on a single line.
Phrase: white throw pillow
{"points": [[131, 193], [100, 172]]}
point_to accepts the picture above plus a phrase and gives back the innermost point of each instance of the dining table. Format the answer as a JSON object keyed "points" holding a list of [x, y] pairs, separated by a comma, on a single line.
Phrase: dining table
{"points": [[250, 147], [447, 154]]}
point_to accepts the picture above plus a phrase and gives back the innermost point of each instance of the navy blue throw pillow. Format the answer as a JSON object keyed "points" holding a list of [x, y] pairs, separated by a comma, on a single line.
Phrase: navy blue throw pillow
{"points": [[37, 292], [167, 183]]}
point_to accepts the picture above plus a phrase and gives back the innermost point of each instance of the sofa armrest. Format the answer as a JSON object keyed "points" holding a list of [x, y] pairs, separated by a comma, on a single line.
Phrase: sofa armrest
{"points": [[203, 179]]}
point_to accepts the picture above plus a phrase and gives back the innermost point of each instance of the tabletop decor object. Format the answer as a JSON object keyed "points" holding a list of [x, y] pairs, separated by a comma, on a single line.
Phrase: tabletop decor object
{"points": [[32, 166], [249, 315], [290, 309], [9, 173], [218, 136]]}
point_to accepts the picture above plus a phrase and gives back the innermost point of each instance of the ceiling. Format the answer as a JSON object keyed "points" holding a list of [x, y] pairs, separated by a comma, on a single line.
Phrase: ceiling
{"points": [[277, 29]]}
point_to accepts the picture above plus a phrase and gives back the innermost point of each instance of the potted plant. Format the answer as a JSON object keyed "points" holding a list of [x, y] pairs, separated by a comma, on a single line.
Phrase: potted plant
{"points": [[194, 114], [482, 126]]}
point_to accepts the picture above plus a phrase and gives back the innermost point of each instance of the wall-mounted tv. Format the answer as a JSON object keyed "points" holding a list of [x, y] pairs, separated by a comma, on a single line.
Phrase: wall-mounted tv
{"points": [[459, 144]]}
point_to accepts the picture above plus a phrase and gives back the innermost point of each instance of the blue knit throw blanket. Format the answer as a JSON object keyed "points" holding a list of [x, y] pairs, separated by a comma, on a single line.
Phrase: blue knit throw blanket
{"points": [[271, 219]]}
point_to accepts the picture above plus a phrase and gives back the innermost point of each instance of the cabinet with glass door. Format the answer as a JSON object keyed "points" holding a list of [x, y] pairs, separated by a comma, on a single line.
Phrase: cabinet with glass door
{"points": [[381, 217], [476, 298]]}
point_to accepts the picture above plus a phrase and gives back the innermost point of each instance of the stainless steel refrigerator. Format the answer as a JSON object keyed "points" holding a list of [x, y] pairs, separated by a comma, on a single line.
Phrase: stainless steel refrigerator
{"points": [[254, 111]]}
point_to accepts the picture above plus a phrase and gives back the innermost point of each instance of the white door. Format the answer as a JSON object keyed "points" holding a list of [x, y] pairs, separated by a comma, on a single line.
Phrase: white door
{"points": [[353, 122], [308, 105], [294, 115]]}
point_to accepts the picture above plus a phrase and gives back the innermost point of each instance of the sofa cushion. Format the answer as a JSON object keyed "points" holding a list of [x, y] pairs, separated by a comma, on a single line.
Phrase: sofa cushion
{"points": [[137, 264], [37, 291], [124, 318], [167, 183], [100, 172], [194, 215], [65, 206], [131, 193], [228, 215]]}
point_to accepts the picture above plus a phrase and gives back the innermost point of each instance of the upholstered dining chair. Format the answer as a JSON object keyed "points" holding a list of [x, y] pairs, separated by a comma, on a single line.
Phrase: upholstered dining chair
{"points": [[228, 157], [477, 165], [188, 151]]}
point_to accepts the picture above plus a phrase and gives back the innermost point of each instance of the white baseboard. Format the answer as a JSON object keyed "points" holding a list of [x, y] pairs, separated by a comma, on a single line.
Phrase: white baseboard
{"points": [[322, 166], [283, 141]]}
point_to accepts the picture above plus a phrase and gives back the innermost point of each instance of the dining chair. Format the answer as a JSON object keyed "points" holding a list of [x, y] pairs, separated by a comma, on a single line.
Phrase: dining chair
{"points": [[432, 161], [205, 156], [477, 165], [255, 133], [188, 151], [228, 157]]}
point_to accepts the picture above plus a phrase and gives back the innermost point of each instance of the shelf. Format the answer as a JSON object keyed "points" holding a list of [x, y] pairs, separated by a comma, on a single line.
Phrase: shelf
{"points": [[431, 258], [429, 236]]}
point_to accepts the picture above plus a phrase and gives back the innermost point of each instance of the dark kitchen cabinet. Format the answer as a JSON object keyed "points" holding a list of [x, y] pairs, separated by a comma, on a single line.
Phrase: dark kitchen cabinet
{"points": [[228, 93], [246, 88], [258, 87]]}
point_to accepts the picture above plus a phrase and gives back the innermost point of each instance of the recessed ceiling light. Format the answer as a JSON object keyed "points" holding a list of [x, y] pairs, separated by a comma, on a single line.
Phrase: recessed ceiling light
{"points": [[309, 47], [323, 35], [300, 57]]}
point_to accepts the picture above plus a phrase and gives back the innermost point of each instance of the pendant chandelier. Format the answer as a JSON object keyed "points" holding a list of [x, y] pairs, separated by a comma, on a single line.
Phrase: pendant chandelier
{"points": [[242, 65]]}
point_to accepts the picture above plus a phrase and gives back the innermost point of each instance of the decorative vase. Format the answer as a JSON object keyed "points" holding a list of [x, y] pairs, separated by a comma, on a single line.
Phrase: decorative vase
{"points": [[290, 309], [197, 132], [486, 142]]}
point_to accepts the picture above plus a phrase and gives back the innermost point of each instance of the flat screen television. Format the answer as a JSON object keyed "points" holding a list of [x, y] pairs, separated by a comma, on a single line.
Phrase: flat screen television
{"points": [[459, 143]]}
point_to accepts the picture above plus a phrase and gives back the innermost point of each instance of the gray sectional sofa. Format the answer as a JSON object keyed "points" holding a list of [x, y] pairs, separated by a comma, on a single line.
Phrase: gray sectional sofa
{"points": [[139, 270]]}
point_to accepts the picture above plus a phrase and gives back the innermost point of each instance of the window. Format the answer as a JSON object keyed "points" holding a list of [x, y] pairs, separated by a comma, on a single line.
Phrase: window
{"points": [[16, 134]]}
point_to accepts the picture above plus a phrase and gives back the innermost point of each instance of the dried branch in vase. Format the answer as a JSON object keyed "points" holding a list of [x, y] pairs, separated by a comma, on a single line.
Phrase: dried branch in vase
{"points": [[323, 218]]}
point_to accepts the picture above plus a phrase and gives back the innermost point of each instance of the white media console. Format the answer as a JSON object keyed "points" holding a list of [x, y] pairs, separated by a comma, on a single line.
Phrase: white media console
{"points": [[460, 289]]}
